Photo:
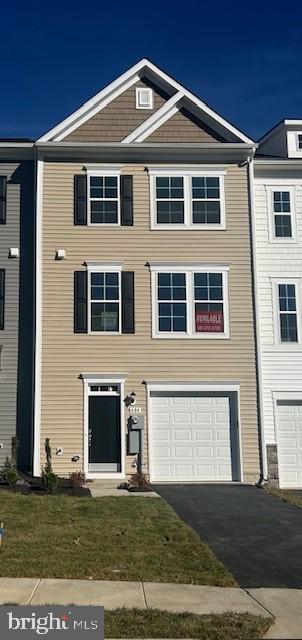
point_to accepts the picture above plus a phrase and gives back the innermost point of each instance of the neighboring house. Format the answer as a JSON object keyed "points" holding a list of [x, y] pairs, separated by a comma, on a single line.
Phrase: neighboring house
{"points": [[278, 231], [16, 297], [144, 288]]}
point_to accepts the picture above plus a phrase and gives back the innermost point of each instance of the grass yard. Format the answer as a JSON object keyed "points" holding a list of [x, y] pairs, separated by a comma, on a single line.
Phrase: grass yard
{"points": [[103, 538], [135, 623], [286, 495]]}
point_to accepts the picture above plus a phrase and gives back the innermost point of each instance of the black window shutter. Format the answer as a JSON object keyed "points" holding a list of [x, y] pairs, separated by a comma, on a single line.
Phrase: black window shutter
{"points": [[127, 302], [127, 201], [80, 200], [2, 297], [3, 183], [80, 302]]}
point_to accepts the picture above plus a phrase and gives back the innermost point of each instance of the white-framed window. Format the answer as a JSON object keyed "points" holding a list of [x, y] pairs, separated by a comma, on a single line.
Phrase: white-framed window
{"points": [[144, 98], [104, 298], [282, 223], [287, 305], [299, 141], [288, 319], [103, 189], [189, 301], [187, 199]]}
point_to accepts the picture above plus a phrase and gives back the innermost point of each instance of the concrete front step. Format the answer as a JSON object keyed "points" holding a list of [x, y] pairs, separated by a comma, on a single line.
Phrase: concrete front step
{"points": [[109, 488]]}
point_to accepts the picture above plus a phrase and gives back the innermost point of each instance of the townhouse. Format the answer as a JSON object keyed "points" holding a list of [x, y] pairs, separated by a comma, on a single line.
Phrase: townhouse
{"points": [[144, 302], [16, 297], [150, 291], [278, 236]]}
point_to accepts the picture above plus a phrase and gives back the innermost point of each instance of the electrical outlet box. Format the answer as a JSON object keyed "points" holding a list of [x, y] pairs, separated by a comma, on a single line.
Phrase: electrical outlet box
{"points": [[133, 442]]}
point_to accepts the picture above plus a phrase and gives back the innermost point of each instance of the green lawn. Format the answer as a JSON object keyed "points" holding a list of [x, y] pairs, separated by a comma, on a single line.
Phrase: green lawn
{"points": [[103, 538], [135, 623], [286, 496]]}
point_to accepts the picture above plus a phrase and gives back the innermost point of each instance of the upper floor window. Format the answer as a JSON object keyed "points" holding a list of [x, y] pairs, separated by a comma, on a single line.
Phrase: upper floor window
{"points": [[281, 203], [288, 312], [190, 302], [300, 141], [104, 302], [104, 199], [144, 98], [282, 214], [187, 200], [170, 203]]}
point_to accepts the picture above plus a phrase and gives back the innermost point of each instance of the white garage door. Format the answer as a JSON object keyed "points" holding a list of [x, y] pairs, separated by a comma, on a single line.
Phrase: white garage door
{"points": [[289, 440], [190, 438]]}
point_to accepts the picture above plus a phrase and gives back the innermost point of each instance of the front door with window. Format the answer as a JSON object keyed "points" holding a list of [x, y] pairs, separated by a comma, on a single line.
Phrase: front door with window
{"points": [[104, 435]]}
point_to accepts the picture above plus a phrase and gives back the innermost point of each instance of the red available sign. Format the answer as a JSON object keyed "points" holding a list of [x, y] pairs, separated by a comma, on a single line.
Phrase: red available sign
{"points": [[209, 321]]}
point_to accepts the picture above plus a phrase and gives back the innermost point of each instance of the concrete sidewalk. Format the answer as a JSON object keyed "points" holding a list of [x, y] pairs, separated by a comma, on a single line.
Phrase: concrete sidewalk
{"points": [[284, 604]]}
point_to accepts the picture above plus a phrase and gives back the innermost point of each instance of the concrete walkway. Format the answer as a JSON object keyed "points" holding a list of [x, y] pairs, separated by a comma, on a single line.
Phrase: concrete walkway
{"points": [[109, 488], [284, 604]]}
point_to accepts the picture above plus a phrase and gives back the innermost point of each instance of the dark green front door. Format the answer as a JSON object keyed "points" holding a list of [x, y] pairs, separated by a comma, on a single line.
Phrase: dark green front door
{"points": [[104, 439]]}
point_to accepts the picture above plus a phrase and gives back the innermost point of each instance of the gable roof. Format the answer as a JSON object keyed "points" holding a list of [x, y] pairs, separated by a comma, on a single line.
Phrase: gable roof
{"points": [[181, 97]]}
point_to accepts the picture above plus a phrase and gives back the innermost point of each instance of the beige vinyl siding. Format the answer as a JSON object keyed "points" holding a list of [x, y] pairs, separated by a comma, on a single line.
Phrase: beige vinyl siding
{"points": [[118, 119], [66, 355], [182, 128]]}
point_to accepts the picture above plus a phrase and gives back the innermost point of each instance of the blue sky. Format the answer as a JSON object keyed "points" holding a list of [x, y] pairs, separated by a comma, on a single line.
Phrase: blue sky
{"points": [[244, 59]]}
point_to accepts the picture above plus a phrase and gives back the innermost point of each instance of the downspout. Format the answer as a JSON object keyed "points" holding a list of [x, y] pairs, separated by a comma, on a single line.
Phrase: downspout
{"points": [[263, 458]]}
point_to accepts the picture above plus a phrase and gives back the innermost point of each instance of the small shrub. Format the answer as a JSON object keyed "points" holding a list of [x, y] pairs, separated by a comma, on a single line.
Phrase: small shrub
{"points": [[77, 479], [9, 473], [139, 479], [49, 479]]}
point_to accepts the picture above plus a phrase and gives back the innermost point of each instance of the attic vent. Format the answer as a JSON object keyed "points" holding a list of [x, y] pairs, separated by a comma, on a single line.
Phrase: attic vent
{"points": [[144, 98]]}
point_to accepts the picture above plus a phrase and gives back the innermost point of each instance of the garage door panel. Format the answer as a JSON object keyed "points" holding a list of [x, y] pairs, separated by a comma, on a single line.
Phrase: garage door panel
{"points": [[204, 435], [204, 453], [197, 444], [182, 418], [182, 434], [289, 441]]}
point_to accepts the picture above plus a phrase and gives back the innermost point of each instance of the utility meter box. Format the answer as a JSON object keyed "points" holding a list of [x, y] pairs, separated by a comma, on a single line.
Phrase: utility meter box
{"points": [[136, 422], [133, 442]]}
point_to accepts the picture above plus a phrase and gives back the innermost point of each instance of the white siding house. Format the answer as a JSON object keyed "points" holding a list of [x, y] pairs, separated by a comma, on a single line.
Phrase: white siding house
{"points": [[278, 259]]}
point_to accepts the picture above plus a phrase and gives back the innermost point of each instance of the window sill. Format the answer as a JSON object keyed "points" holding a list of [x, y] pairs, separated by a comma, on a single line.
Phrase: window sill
{"points": [[186, 336], [282, 241], [191, 227], [282, 348], [104, 333], [102, 224]]}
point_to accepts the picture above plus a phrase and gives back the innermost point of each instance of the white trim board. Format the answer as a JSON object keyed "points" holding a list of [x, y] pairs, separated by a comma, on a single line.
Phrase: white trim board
{"points": [[155, 121], [202, 387], [143, 68], [108, 379]]}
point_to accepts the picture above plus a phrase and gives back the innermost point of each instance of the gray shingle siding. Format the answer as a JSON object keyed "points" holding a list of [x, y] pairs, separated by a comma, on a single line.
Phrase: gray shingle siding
{"points": [[17, 349]]}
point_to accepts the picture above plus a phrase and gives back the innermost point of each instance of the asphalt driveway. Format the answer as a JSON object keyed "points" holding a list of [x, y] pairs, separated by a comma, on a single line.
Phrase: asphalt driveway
{"points": [[256, 536]]}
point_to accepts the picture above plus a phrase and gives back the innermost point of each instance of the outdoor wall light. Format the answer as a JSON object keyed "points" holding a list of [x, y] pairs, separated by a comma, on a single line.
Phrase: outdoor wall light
{"points": [[13, 252], [131, 399], [60, 254]]}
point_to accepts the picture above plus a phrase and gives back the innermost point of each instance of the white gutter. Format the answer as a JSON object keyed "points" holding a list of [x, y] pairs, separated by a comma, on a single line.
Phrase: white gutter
{"points": [[38, 319], [148, 145], [257, 317], [17, 145]]}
